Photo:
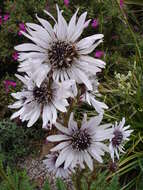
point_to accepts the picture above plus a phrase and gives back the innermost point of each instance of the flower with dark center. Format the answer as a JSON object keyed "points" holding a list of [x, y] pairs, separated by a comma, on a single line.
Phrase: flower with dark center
{"points": [[81, 144], [58, 49], [61, 55], [44, 94], [44, 100], [50, 162], [80, 140], [117, 139], [120, 135]]}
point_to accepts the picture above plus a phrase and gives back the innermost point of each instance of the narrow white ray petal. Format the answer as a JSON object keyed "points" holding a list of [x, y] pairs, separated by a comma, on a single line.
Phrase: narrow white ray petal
{"points": [[28, 47], [88, 160], [34, 117], [90, 49], [72, 25], [60, 146], [16, 105], [83, 78], [50, 15], [55, 138], [97, 62], [58, 104], [62, 129], [47, 26]]}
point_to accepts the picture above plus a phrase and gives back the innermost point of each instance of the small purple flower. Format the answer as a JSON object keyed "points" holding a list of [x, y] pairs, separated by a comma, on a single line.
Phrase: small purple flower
{"points": [[6, 17], [9, 83], [0, 20], [99, 54], [95, 23], [66, 2], [15, 56], [121, 3], [22, 28]]}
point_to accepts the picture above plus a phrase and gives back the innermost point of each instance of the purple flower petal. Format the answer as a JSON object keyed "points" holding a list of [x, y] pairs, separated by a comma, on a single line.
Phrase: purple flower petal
{"points": [[6, 17], [66, 2], [22, 28], [95, 23], [0, 20], [99, 54], [121, 3], [15, 56], [8, 83]]}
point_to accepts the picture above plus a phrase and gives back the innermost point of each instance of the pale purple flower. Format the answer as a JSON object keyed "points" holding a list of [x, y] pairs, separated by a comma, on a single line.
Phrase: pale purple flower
{"points": [[99, 54], [45, 100], [121, 134], [79, 145], [22, 28], [66, 2], [95, 23], [121, 3], [62, 37], [9, 83], [6, 17], [0, 20], [15, 56]]}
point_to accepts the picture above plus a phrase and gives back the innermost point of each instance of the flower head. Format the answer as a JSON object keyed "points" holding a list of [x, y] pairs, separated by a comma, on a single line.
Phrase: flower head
{"points": [[15, 56], [99, 54], [121, 3], [46, 100], [95, 23], [22, 28], [6, 17], [9, 83], [79, 145], [66, 2], [59, 171], [0, 20], [59, 50], [120, 135]]}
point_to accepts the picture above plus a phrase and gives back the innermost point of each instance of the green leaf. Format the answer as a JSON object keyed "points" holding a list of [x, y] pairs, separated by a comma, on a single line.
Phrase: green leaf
{"points": [[60, 184], [46, 185], [136, 2]]}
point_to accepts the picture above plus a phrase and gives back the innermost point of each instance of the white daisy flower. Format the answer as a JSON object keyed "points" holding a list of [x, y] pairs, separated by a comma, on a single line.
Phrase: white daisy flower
{"points": [[91, 97], [120, 135], [79, 145], [46, 100], [59, 171], [58, 49]]}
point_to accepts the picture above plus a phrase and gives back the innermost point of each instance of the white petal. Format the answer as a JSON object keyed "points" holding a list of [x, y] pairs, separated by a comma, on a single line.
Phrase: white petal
{"points": [[28, 47], [55, 138], [88, 160], [34, 117], [59, 146], [83, 78]]}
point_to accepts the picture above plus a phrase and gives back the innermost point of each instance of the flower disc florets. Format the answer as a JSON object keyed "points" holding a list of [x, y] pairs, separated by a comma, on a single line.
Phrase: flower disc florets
{"points": [[43, 94], [61, 54], [118, 137], [81, 140]]}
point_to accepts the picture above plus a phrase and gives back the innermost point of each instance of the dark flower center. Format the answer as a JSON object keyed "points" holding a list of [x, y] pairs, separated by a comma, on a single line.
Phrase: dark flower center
{"points": [[44, 93], [117, 139], [81, 140], [61, 54]]}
